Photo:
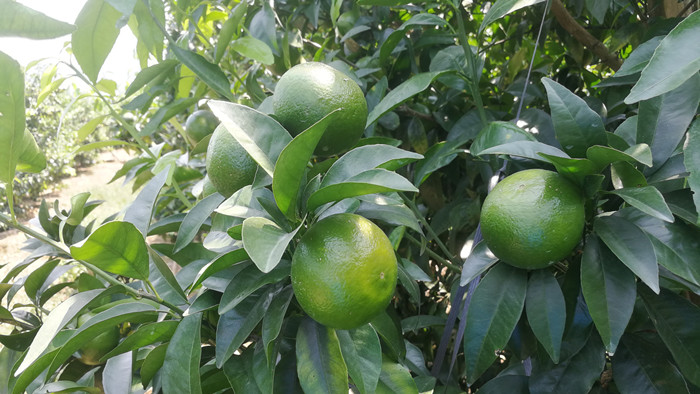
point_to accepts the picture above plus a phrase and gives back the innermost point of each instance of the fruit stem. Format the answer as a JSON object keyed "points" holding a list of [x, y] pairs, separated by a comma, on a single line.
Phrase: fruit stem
{"points": [[434, 255]]}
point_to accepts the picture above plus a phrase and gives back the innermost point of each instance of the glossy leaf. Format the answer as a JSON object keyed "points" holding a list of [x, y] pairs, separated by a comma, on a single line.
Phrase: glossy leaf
{"points": [[378, 180], [218, 264], [247, 281], [609, 289], [528, 149], [31, 157], [273, 319], [388, 326], [12, 123], [180, 371], [164, 281], [438, 156], [149, 74], [498, 133], [140, 211], [229, 28], [292, 163], [639, 58], [165, 113], [676, 59], [514, 384], [478, 261], [363, 355], [116, 376], [663, 120], [195, 219], [676, 320], [502, 8], [546, 311], [261, 136], [604, 155], [492, 316], [640, 367], [33, 371], [395, 379], [691, 159], [647, 199], [209, 73], [253, 48], [18, 20], [629, 243], [153, 362], [320, 363], [401, 93], [95, 36], [265, 242], [116, 247], [147, 334], [576, 125]]}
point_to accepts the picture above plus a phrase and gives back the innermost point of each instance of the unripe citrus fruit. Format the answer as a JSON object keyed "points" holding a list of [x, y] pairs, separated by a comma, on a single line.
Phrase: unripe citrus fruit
{"points": [[344, 271], [91, 352], [229, 166], [308, 92], [200, 124], [533, 218]]}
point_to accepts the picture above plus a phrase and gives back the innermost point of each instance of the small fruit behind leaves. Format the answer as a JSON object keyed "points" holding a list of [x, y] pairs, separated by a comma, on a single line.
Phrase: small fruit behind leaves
{"points": [[91, 352], [229, 166], [344, 271], [200, 124], [533, 218], [310, 91]]}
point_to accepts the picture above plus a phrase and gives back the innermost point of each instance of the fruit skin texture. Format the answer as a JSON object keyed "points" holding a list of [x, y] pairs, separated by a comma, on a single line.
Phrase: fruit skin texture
{"points": [[344, 271], [200, 124], [98, 346], [229, 166], [533, 218], [308, 92]]}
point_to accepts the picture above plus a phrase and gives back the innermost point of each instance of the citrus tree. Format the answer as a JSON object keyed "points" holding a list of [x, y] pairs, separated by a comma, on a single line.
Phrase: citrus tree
{"points": [[320, 232]]}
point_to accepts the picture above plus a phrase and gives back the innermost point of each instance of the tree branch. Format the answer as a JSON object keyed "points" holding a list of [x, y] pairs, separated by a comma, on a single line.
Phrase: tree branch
{"points": [[584, 37]]}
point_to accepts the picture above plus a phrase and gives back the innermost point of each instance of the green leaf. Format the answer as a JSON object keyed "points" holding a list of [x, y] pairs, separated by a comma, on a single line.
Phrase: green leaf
{"points": [[103, 144], [528, 149], [292, 162], [438, 156], [479, 260], [631, 245], [12, 121], [164, 281], [546, 311], [149, 15], [320, 363], [31, 157], [18, 20], [492, 317], [639, 58], [502, 8], [195, 218], [388, 3], [575, 375], [603, 155], [209, 73], [89, 127], [388, 327], [253, 48], [229, 29], [676, 59], [153, 362], [35, 280], [273, 319], [363, 355], [33, 371], [57, 319], [166, 112], [395, 379], [116, 247], [95, 36], [265, 242], [236, 325], [147, 334], [373, 181], [677, 320], [140, 210], [247, 281], [401, 93], [647, 199], [148, 74], [366, 158], [691, 159], [498, 133], [609, 290], [575, 169], [576, 125], [663, 120], [260, 135], [180, 371], [220, 263], [513, 384], [116, 375], [640, 366]]}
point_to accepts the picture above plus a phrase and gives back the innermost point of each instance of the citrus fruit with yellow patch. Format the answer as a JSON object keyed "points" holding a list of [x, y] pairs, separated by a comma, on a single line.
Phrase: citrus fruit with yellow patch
{"points": [[200, 124], [310, 91], [229, 166], [92, 351], [344, 271], [533, 218]]}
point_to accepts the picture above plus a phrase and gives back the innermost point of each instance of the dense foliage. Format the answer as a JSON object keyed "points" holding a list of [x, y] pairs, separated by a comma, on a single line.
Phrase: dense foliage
{"points": [[459, 95]]}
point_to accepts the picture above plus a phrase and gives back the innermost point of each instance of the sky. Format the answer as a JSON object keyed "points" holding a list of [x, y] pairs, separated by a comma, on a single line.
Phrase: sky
{"points": [[121, 65]]}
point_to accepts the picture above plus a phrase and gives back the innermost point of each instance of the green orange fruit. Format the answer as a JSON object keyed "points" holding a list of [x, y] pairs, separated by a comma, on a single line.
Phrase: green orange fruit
{"points": [[344, 271], [200, 124], [308, 92], [229, 166], [533, 218]]}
